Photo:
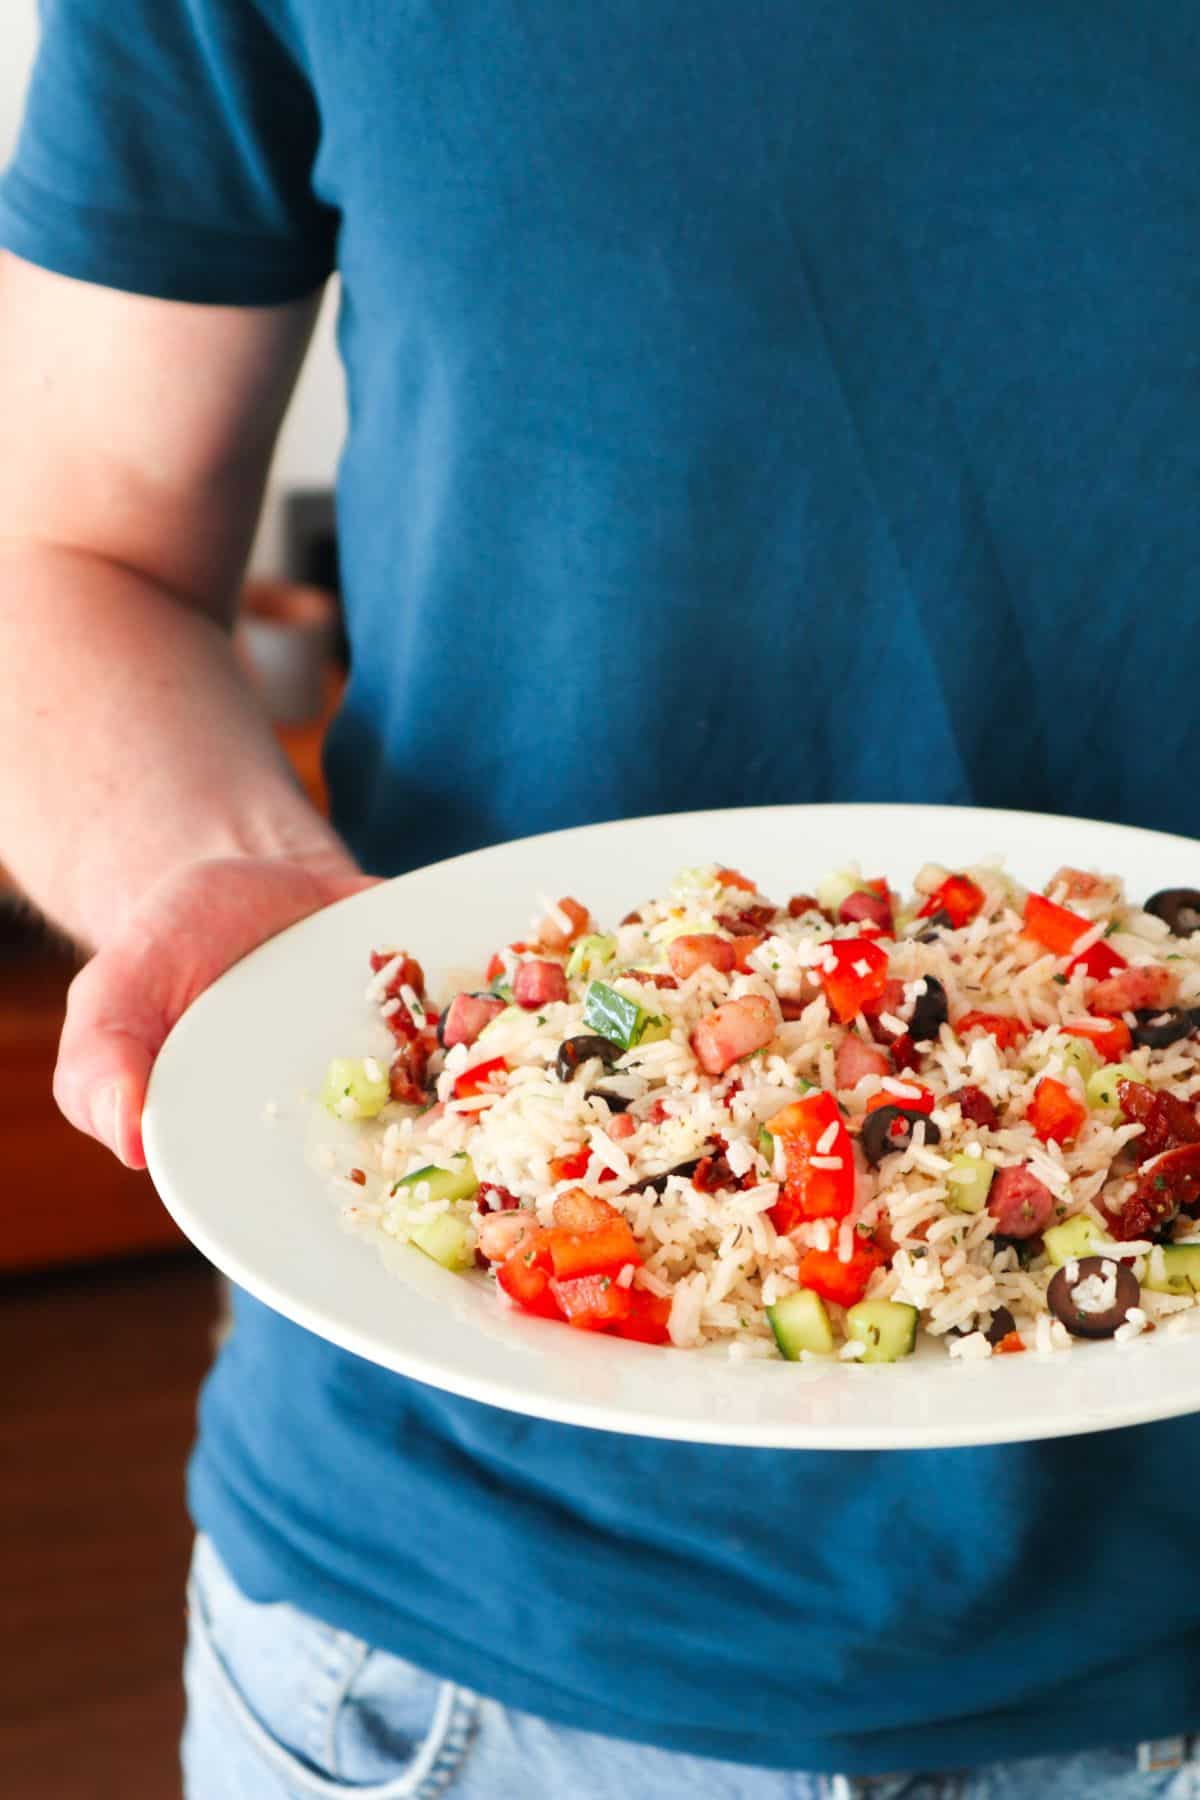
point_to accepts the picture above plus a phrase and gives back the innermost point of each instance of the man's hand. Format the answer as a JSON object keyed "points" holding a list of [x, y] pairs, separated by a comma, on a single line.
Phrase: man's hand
{"points": [[188, 930]]}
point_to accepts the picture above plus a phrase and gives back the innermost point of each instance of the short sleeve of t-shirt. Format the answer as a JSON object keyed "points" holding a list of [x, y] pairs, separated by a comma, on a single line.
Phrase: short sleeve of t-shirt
{"points": [[167, 148]]}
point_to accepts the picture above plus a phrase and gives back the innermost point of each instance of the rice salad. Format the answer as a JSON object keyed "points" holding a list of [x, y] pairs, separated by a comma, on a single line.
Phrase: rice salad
{"points": [[821, 1128]]}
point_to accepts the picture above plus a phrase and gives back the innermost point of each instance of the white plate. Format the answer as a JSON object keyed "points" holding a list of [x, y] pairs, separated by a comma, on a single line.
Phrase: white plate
{"points": [[246, 1193]]}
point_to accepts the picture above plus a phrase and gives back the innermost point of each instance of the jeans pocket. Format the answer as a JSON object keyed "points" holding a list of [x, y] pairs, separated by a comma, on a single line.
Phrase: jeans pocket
{"points": [[325, 1713]]}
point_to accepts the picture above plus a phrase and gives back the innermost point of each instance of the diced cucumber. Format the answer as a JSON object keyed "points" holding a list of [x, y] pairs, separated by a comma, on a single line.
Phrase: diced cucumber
{"points": [[837, 886], [1074, 1238], [887, 1327], [591, 953], [1178, 1272], [1101, 1088], [447, 1239], [1077, 1053], [800, 1322], [967, 1182], [766, 1144], [510, 1012], [613, 1015], [656, 1028], [456, 1183], [356, 1087], [690, 879]]}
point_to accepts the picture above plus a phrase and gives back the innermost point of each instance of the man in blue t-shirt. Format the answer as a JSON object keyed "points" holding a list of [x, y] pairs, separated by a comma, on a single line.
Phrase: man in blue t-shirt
{"points": [[748, 403]]}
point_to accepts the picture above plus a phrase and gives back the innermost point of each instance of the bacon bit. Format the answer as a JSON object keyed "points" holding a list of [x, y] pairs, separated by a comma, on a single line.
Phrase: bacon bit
{"points": [[652, 979], [632, 918], [359, 1177], [747, 923], [409, 973], [792, 1009], [904, 1053], [799, 904], [406, 1077]]}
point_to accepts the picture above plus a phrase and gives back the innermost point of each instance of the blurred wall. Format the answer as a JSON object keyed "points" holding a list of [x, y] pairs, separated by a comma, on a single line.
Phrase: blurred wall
{"points": [[315, 425]]}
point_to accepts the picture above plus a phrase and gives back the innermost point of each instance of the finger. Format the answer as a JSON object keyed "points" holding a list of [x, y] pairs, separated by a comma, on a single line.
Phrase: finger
{"points": [[104, 1065]]}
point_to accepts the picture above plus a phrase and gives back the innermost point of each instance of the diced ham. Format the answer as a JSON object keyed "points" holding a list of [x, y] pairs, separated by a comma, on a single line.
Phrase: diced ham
{"points": [[1131, 989], [866, 909], [891, 1002], [537, 983], [550, 934], [732, 1031], [703, 950], [1021, 1205], [501, 1232], [856, 1060], [1077, 884], [622, 1125], [466, 1016]]}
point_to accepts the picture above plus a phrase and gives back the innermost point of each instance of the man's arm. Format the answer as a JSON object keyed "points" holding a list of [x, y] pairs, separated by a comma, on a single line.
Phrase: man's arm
{"points": [[144, 804]]}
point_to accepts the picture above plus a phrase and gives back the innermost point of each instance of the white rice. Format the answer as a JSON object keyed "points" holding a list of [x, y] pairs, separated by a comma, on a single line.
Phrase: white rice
{"points": [[717, 1255]]}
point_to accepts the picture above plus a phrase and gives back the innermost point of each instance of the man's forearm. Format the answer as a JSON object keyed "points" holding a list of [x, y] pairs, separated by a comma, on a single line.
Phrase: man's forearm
{"points": [[130, 745]]}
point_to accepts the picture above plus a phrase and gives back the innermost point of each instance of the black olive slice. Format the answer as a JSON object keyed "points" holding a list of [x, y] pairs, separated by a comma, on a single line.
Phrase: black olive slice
{"points": [[617, 1103], [574, 1051], [933, 927], [659, 1182], [930, 1012], [1179, 908], [1075, 1292], [1158, 1027], [1002, 1323], [890, 1128]]}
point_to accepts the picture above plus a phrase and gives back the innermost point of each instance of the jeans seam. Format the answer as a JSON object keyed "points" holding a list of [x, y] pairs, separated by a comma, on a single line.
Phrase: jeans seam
{"points": [[437, 1759]]}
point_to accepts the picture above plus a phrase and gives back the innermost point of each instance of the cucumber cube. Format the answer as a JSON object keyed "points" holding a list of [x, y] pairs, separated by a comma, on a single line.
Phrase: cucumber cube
{"points": [[456, 1183], [1101, 1088], [355, 1087], [591, 954], [888, 1328], [800, 1322], [837, 886], [1173, 1269], [1072, 1239], [613, 1015], [967, 1182], [447, 1239]]}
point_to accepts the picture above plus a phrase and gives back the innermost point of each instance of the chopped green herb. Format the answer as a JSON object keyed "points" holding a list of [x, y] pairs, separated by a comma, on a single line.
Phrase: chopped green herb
{"points": [[1061, 980], [541, 1018]]}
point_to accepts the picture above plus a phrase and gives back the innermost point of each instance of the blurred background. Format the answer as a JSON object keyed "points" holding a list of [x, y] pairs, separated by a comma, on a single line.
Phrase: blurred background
{"points": [[107, 1319]]}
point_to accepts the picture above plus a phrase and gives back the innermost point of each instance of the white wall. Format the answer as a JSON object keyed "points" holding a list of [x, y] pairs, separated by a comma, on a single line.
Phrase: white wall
{"points": [[315, 425]]}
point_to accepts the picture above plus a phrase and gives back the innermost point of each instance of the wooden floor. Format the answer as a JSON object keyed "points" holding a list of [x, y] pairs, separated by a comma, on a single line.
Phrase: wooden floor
{"points": [[98, 1377]]}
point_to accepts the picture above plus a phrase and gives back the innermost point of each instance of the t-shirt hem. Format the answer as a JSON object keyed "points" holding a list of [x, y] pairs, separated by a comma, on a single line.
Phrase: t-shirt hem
{"points": [[161, 259], [272, 1574]]}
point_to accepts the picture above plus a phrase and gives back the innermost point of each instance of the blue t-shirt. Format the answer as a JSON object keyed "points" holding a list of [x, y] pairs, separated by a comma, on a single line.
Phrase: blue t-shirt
{"points": [[774, 401]]}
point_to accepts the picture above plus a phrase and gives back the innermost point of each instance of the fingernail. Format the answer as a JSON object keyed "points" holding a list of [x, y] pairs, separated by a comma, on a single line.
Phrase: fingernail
{"points": [[106, 1114]]}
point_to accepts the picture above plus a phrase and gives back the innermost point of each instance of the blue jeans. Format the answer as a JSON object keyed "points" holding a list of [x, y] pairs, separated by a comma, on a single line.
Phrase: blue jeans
{"points": [[282, 1707]]}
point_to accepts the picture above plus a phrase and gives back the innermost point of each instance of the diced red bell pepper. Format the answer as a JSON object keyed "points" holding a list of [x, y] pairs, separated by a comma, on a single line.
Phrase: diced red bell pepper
{"points": [[844, 1283], [733, 878], [919, 1100], [1055, 927], [853, 972], [592, 1302], [572, 1166], [958, 897], [495, 968], [1099, 961], [1011, 1344], [478, 1079], [525, 1276], [808, 1192], [1110, 1038], [647, 1321], [1007, 1032], [598, 1252], [1054, 1112]]}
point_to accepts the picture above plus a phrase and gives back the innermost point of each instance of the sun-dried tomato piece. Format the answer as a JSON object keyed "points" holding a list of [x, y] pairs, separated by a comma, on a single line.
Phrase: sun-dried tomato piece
{"points": [[748, 922], [976, 1107], [1168, 1121]]}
